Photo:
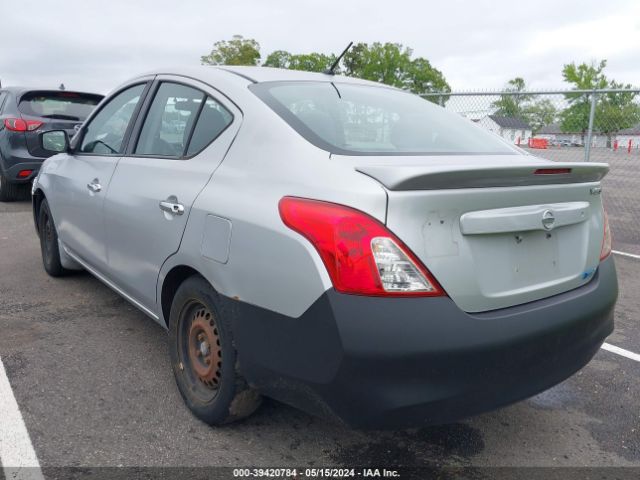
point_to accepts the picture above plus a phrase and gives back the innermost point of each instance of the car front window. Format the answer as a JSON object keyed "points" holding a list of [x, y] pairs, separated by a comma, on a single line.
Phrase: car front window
{"points": [[106, 132]]}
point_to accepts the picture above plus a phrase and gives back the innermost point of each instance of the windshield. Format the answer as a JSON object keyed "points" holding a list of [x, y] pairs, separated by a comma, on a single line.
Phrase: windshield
{"points": [[368, 120], [59, 105]]}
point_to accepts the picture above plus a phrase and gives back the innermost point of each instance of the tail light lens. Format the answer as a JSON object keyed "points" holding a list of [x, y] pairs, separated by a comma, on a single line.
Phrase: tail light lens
{"points": [[33, 125], [361, 255], [20, 125], [552, 171], [605, 251], [15, 124]]}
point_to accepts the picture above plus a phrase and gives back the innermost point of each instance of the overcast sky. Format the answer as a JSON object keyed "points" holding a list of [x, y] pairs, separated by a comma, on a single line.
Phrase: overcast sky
{"points": [[93, 46]]}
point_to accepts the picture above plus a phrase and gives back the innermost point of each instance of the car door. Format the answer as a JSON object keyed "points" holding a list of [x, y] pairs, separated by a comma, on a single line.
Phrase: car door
{"points": [[184, 135], [80, 179]]}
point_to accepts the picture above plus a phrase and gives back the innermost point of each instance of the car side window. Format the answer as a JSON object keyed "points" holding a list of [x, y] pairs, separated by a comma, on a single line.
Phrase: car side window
{"points": [[213, 119], [105, 133], [168, 125], [2, 97]]}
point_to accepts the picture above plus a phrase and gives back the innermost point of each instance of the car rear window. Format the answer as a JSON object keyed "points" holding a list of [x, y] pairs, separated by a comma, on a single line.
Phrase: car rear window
{"points": [[59, 105], [351, 119]]}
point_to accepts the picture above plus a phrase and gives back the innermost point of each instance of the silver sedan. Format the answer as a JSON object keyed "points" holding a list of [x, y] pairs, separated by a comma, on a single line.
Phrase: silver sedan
{"points": [[345, 247]]}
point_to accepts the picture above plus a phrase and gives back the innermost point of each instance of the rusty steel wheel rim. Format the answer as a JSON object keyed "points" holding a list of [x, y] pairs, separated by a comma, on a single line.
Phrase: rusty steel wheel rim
{"points": [[199, 350], [203, 347]]}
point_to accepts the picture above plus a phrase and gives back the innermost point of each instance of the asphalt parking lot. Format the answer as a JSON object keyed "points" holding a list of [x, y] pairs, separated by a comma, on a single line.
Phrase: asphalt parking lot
{"points": [[91, 377]]}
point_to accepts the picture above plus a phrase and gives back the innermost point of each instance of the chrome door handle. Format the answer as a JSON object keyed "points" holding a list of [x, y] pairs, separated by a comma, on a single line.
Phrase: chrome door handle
{"points": [[94, 186], [172, 206]]}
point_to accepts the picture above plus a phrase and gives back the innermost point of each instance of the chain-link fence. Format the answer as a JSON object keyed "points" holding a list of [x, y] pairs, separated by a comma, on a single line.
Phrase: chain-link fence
{"points": [[576, 125]]}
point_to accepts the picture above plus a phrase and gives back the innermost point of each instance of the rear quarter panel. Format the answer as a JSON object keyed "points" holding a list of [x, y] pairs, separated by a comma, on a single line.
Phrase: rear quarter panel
{"points": [[268, 264]]}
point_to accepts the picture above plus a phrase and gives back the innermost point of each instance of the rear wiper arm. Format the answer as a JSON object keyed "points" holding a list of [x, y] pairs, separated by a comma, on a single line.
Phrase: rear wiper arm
{"points": [[61, 116]]}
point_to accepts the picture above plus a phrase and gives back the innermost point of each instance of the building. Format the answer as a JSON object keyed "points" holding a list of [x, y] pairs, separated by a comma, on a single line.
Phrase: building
{"points": [[556, 136], [514, 130], [627, 134]]}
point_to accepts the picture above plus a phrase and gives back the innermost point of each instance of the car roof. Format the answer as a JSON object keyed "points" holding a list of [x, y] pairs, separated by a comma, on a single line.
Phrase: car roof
{"points": [[269, 74], [258, 74]]}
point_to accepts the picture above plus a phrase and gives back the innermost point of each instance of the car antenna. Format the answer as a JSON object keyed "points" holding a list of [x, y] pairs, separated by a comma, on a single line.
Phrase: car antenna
{"points": [[330, 70]]}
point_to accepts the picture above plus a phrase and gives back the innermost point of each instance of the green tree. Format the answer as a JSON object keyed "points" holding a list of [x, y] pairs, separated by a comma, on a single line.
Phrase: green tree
{"points": [[613, 111], [616, 111], [575, 118], [388, 63], [310, 62], [512, 104], [278, 59], [391, 64], [424, 78], [520, 104], [237, 51], [539, 114], [586, 76]]}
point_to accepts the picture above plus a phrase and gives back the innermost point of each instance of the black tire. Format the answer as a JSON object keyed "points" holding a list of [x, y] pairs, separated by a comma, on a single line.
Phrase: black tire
{"points": [[203, 356], [49, 242], [10, 192]]}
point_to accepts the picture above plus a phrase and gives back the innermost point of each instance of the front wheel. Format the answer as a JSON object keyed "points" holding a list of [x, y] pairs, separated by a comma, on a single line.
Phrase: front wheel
{"points": [[49, 242], [203, 356]]}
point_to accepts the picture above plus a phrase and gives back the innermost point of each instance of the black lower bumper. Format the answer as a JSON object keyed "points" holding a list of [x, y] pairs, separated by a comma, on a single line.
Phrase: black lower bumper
{"points": [[400, 362], [12, 172]]}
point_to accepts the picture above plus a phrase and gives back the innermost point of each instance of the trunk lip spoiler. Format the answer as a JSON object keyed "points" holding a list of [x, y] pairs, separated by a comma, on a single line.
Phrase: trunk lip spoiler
{"points": [[441, 177]]}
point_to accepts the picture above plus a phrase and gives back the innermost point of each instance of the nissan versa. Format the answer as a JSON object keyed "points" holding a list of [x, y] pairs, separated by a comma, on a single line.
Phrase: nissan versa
{"points": [[344, 247], [24, 114]]}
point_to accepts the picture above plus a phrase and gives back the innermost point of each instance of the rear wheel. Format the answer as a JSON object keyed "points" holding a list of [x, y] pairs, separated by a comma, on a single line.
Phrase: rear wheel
{"points": [[49, 242], [203, 356], [10, 192]]}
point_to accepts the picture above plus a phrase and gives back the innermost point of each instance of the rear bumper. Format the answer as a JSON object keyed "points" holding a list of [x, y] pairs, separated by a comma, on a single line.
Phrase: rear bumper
{"points": [[12, 173], [392, 362], [13, 162]]}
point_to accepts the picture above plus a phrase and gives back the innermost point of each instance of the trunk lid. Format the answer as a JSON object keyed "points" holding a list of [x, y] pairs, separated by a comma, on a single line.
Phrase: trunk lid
{"points": [[495, 231]]}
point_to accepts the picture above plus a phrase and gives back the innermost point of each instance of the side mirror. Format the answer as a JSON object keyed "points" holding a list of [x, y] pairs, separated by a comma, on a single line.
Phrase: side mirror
{"points": [[55, 141]]}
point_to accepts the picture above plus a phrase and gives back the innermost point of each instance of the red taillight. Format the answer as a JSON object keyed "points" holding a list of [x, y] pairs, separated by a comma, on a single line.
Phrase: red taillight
{"points": [[552, 171], [24, 173], [15, 124], [361, 255], [605, 251], [20, 125]]}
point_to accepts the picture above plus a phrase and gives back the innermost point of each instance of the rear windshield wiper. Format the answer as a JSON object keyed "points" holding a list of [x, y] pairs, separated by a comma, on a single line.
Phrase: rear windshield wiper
{"points": [[61, 116]]}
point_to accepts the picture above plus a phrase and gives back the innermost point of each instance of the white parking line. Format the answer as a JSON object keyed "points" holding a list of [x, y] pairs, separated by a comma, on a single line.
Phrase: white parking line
{"points": [[620, 351], [625, 254], [17, 456]]}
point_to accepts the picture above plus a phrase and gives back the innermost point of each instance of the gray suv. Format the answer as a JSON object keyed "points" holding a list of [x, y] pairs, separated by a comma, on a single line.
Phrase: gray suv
{"points": [[344, 247], [24, 114]]}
